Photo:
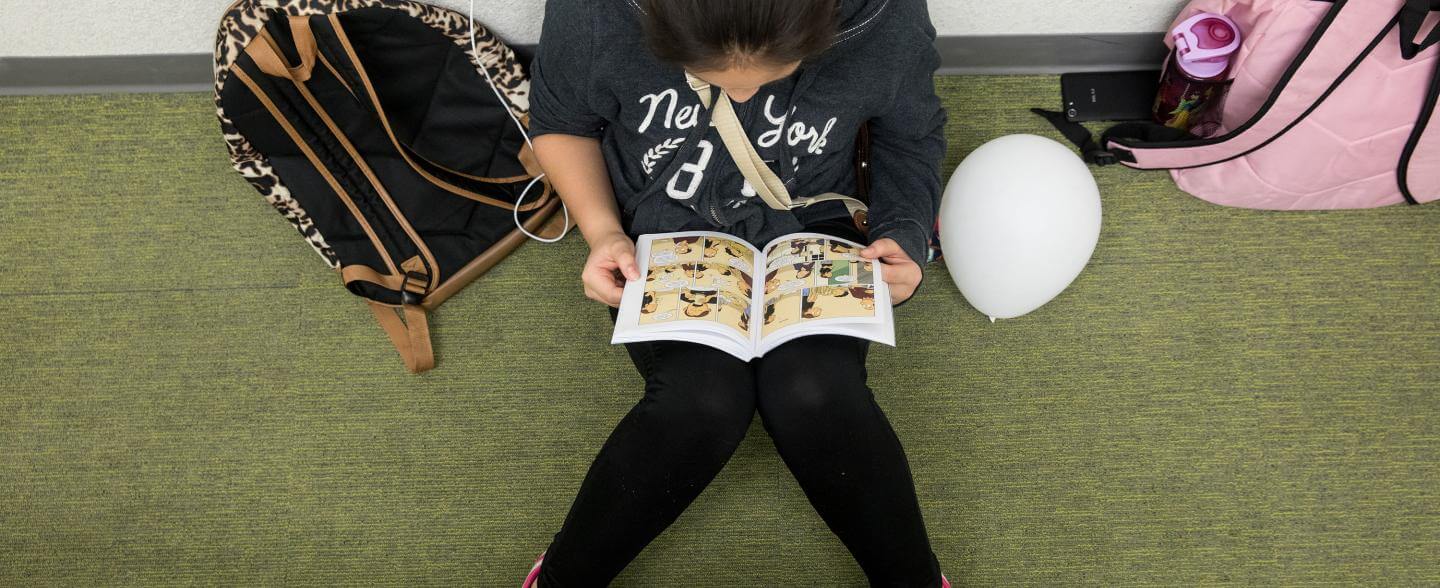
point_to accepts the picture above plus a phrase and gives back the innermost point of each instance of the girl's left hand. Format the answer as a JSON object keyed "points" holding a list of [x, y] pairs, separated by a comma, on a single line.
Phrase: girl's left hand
{"points": [[901, 273]]}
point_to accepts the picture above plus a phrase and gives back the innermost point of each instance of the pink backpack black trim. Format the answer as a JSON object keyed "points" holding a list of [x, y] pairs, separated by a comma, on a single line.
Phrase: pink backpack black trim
{"points": [[1332, 106]]}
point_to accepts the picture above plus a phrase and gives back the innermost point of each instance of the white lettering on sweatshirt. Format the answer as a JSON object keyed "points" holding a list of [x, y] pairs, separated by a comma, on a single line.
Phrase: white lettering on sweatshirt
{"points": [[686, 118], [797, 133]]}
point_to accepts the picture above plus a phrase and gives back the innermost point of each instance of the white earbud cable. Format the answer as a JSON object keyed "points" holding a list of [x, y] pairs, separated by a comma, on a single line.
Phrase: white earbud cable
{"points": [[475, 48]]}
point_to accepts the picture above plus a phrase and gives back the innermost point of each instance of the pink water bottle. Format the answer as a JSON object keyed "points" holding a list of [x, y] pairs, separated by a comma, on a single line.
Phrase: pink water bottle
{"points": [[1195, 80]]}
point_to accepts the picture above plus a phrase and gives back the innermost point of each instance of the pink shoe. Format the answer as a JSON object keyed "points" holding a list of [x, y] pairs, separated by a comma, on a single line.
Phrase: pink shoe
{"points": [[944, 582], [534, 574]]}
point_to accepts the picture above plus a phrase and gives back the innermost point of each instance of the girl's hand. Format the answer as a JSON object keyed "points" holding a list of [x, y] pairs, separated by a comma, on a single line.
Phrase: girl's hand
{"points": [[901, 273], [611, 262]]}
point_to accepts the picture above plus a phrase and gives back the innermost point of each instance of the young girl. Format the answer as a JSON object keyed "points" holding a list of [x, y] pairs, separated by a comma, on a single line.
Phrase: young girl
{"points": [[628, 143]]}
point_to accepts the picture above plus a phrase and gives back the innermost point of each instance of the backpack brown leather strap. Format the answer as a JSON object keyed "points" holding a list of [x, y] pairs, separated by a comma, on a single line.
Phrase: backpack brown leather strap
{"points": [[411, 336], [269, 59], [364, 273], [368, 90], [314, 159]]}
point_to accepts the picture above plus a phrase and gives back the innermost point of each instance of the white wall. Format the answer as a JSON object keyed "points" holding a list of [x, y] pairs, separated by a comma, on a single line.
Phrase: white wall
{"points": [[128, 27]]}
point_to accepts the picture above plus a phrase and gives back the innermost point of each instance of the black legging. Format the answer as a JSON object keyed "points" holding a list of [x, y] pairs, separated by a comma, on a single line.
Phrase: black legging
{"points": [[812, 399]]}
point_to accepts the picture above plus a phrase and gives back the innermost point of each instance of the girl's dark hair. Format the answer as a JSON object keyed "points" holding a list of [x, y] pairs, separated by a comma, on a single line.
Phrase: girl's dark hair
{"points": [[714, 34]]}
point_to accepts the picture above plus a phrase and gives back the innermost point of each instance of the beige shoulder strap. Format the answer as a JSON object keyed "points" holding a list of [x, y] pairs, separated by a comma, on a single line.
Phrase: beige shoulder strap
{"points": [[766, 184]]}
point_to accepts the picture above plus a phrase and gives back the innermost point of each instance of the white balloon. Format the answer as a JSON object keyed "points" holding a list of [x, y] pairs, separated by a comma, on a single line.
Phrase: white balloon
{"points": [[1019, 222]]}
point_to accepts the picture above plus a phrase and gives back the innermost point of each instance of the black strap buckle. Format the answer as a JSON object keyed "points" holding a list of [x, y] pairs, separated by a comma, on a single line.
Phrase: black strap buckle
{"points": [[1101, 158], [413, 290]]}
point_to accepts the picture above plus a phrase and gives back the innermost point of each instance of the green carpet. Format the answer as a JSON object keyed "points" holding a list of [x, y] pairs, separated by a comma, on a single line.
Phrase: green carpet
{"points": [[189, 396]]}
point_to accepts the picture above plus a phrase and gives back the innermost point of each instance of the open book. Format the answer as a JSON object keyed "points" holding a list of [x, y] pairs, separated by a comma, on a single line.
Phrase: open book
{"points": [[716, 290]]}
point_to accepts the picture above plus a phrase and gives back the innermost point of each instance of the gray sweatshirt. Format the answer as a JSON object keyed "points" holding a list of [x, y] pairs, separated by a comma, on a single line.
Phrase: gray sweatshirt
{"points": [[594, 76]]}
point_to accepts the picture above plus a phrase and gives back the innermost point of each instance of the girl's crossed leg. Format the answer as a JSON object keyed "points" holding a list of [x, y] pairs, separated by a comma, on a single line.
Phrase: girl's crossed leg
{"points": [[697, 407], [814, 402]]}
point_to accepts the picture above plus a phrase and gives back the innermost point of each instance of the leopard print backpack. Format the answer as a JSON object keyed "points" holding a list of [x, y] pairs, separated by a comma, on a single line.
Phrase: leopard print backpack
{"points": [[389, 133]]}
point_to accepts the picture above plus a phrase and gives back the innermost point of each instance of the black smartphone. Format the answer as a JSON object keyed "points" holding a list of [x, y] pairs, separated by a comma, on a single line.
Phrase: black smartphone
{"points": [[1123, 95]]}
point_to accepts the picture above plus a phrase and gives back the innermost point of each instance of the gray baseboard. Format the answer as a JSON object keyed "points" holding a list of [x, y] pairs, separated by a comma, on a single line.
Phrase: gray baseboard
{"points": [[190, 72], [967, 55]]}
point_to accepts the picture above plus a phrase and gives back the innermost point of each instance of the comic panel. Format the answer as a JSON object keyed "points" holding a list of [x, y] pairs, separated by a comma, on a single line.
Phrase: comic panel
{"points": [[746, 286], [808, 249], [734, 314], [716, 277], [698, 305], [667, 278], [804, 272], [659, 307], [792, 251], [732, 284], [845, 273], [865, 273], [728, 253], [830, 302], [834, 273], [677, 250], [782, 311], [788, 279], [773, 254], [836, 250]]}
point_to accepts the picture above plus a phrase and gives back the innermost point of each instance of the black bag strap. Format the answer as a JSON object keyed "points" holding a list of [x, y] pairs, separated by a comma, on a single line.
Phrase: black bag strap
{"points": [[1094, 152], [1422, 126], [1076, 133], [1412, 17]]}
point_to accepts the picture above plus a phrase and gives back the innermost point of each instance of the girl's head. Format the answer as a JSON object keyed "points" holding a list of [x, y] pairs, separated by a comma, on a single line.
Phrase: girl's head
{"points": [[739, 45]]}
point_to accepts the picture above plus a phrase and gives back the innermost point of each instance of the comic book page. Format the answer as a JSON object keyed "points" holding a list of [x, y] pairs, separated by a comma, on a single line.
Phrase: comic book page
{"points": [[815, 279], [692, 281]]}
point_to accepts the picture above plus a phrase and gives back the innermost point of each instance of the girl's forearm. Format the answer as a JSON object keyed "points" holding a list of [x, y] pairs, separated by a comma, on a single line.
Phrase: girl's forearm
{"points": [[576, 167]]}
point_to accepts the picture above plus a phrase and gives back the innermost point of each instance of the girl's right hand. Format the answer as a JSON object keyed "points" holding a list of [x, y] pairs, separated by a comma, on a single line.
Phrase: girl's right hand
{"points": [[611, 262]]}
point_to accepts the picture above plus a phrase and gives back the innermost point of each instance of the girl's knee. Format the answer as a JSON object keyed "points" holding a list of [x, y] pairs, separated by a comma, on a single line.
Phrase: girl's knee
{"points": [[696, 394], [702, 417], [812, 396]]}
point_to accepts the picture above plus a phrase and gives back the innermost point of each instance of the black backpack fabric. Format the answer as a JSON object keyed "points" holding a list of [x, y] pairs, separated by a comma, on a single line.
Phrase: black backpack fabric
{"points": [[370, 125]]}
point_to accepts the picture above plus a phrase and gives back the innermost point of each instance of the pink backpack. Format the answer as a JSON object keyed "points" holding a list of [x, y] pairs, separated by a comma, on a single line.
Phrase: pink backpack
{"points": [[1331, 107]]}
